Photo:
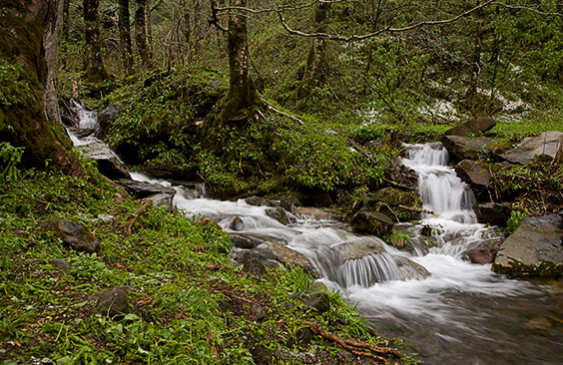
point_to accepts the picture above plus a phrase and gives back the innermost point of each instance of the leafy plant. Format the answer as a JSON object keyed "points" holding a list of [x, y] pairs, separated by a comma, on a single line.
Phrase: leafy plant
{"points": [[10, 156]]}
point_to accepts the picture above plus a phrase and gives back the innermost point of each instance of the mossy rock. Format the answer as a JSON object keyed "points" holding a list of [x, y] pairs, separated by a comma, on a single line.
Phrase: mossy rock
{"points": [[390, 201]]}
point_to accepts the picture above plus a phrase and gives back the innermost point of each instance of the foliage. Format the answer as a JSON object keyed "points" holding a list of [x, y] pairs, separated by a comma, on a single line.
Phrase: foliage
{"points": [[13, 84], [10, 156], [513, 222]]}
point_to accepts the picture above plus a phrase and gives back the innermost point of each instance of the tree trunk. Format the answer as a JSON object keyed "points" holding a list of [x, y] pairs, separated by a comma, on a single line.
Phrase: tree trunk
{"points": [[141, 33], [24, 121], [125, 36], [316, 65], [66, 29], [242, 97], [94, 70]]}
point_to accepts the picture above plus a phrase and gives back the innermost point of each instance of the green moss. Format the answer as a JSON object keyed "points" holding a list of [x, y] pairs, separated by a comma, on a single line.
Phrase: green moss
{"points": [[545, 270]]}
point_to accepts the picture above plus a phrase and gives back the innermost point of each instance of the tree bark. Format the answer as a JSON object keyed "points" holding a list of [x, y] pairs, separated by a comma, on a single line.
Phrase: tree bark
{"points": [[32, 25], [94, 69], [141, 32], [125, 36], [242, 97]]}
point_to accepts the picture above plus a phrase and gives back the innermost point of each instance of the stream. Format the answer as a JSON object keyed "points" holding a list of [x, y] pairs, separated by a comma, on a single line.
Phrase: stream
{"points": [[444, 308]]}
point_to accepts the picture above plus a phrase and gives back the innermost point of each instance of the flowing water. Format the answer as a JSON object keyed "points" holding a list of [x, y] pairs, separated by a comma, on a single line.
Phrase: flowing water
{"points": [[451, 311]]}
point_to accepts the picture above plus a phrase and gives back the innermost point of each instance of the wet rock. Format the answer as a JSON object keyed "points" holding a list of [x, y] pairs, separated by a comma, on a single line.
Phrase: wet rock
{"points": [[278, 214], [254, 262], [474, 173], [409, 269], [257, 201], [485, 253], [142, 190], [496, 214], [389, 201], [547, 143], [108, 116], [534, 249], [81, 133], [466, 148], [112, 302], [109, 164], [319, 213], [60, 264], [162, 200], [472, 127], [74, 235], [286, 256], [289, 204], [241, 241], [370, 222], [360, 247], [237, 224]]}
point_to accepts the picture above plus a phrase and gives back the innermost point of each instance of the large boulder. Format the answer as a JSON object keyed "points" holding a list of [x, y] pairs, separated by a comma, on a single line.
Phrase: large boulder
{"points": [[108, 163], [496, 214], [472, 127], [392, 202], [547, 143], [370, 222], [466, 148], [141, 190], [475, 173], [74, 235], [534, 249]]}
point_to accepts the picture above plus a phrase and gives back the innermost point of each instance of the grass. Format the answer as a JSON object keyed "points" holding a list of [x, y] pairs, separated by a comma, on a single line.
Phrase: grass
{"points": [[188, 303]]}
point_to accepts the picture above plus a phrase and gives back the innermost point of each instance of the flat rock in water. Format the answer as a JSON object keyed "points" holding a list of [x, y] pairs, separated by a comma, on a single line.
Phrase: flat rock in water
{"points": [[547, 143], [108, 163], [466, 148], [360, 247], [143, 190], [74, 235], [473, 126], [534, 249]]}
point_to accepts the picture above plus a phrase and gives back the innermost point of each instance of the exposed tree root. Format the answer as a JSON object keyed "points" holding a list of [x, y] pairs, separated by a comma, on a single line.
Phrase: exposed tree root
{"points": [[353, 346], [136, 214]]}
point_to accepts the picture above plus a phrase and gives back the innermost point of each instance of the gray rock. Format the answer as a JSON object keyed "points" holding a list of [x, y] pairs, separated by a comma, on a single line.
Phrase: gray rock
{"points": [[237, 224], [375, 223], [74, 235], [257, 201], [466, 148], [60, 264], [319, 213], [496, 214], [473, 126], [410, 269], [485, 253], [162, 200], [108, 163], [108, 116], [252, 262], [360, 247], [278, 214], [534, 249], [320, 301], [241, 241], [547, 143], [142, 190], [286, 256], [474, 173], [112, 302], [81, 132]]}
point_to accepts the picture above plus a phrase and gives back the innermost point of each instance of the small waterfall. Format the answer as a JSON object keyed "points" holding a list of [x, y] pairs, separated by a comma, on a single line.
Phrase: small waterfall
{"points": [[88, 119]]}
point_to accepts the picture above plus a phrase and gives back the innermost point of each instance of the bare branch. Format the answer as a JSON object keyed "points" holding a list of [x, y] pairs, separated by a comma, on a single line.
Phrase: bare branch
{"points": [[528, 8], [381, 31], [278, 9]]}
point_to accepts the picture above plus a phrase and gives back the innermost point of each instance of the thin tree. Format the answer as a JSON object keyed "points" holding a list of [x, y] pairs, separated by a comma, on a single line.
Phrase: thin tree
{"points": [[94, 69], [125, 36]]}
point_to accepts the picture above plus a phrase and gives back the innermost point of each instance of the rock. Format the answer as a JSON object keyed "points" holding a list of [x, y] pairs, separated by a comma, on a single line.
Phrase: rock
{"points": [[547, 143], [174, 173], [257, 201], [74, 235], [375, 223], [253, 262], [60, 264], [286, 256], [81, 133], [278, 214], [534, 249], [360, 247], [466, 148], [473, 126], [112, 302], [237, 224], [409, 269], [318, 213], [474, 173], [258, 313], [141, 190], [241, 241], [162, 200], [320, 301], [289, 204], [485, 253], [303, 336], [108, 116], [109, 164], [496, 214], [388, 200]]}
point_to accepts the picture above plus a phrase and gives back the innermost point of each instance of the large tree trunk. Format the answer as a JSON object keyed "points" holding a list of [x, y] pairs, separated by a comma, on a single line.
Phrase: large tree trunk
{"points": [[24, 121], [94, 70], [125, 36], [242, 97], [141, 35], [316, 65]]}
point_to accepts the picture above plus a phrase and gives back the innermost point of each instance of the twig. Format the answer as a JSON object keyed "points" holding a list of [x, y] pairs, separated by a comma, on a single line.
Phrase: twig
{"points": [[394, 183], [419, 210], [271, 107], [364, 152], [128, 226]]}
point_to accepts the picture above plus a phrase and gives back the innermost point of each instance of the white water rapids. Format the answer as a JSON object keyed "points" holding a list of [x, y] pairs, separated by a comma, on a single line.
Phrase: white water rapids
{"points": [[451, 310]]}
